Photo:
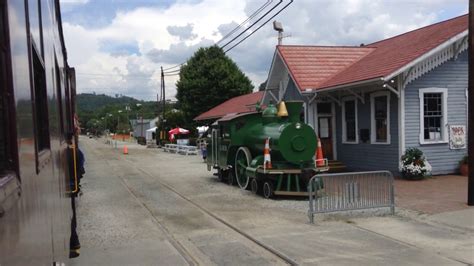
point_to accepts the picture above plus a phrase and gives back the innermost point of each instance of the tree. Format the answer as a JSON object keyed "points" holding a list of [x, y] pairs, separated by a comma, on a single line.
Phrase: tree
{"points": [[207, 79], [174, 118]]}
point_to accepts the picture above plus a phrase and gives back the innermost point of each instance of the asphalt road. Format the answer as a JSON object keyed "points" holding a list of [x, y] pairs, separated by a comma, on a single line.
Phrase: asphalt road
{"points": [[154, 208]]}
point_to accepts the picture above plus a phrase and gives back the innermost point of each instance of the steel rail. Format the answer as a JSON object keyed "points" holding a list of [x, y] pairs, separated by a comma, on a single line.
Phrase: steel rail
{"points": [[234, 228]]}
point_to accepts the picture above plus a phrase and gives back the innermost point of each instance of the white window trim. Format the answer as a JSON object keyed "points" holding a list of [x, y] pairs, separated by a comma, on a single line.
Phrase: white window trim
{"points": [[373, 135], [344, 125], [444, 125]]}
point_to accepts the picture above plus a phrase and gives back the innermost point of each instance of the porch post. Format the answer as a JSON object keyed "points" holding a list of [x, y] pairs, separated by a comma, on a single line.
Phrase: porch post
{"points": [[401, 115], [470, 190]]}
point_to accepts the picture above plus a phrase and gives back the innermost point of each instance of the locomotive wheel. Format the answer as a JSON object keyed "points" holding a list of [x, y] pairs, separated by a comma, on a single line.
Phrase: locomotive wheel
{"points": [[231, 178], [268, 191], [255, 185], [242, 160]]}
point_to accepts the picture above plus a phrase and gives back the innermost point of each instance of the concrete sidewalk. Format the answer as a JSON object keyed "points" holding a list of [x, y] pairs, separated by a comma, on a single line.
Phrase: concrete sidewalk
{"points": [[463, 219]]}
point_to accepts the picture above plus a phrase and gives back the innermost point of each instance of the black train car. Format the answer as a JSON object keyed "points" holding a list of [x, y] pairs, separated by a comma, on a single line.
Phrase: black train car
{"points": [[37, 110]]}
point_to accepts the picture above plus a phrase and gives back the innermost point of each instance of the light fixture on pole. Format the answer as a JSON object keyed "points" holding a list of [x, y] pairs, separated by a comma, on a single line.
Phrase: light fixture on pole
{"points": [[279, 28]]}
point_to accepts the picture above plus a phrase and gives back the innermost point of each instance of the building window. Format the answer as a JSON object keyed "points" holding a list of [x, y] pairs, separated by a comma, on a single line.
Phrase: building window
{"points": [[433, 115], [40, 103], [380, 118], [349, 121]]}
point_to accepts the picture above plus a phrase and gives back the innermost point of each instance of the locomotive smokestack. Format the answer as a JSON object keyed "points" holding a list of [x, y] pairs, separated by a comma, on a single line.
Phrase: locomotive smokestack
{"points": [[294, 110]]}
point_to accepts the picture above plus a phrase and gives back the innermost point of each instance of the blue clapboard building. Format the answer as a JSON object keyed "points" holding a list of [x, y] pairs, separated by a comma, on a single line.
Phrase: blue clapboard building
{"points": [[369, 103]]}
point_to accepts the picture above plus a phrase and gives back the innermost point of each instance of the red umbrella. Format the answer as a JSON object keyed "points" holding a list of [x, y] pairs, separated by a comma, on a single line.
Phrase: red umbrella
{"points": [[177, 131]]}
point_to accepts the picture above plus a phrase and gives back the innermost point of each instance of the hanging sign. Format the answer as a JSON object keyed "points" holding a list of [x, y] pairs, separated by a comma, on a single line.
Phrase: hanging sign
{"points": [[457, 137]]}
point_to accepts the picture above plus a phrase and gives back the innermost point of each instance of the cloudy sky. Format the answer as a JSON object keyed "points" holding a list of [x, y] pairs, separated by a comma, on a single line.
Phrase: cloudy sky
{"points": [[118, 46]]}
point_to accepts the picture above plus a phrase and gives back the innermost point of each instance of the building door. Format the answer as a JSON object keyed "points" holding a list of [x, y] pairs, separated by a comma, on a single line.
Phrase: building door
{"points": [[325, 132]]}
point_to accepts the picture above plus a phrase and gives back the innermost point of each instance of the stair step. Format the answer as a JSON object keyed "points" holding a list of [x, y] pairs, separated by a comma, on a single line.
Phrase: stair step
{"points": [[336, 166]]}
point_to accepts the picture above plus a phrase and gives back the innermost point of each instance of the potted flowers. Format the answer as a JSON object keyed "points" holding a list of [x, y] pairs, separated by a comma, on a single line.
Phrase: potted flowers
{"points": [[413, 165], [463, 166]]}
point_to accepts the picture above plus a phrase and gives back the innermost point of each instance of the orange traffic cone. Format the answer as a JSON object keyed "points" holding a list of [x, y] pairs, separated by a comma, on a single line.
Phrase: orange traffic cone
{"points": [[267, 160], [319, 155], [125, 149]]}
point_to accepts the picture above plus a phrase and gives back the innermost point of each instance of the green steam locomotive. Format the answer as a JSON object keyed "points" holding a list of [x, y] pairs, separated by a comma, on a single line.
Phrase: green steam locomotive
{"points": [[270, 152]]}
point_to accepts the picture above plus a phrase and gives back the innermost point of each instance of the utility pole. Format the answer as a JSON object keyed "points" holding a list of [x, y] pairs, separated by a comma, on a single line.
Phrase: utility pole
{"points": [[163, 92], [470, 137], [158, 130], [162, 134]]}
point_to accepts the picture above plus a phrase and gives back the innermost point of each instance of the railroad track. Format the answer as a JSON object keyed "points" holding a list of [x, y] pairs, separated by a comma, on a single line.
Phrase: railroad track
{"points": [[186, 254]]}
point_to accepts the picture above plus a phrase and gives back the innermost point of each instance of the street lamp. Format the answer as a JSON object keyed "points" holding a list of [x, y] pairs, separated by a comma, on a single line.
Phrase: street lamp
{"points": [[279, 28]]}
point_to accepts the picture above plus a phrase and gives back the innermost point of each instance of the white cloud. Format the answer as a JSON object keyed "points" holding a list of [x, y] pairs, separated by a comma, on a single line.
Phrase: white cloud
{"points": [[69, 4], [192, 25]]}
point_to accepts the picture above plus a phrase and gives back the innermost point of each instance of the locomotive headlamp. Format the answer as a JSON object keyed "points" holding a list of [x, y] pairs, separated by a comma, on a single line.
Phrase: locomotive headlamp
{"points": [[298, 125]]}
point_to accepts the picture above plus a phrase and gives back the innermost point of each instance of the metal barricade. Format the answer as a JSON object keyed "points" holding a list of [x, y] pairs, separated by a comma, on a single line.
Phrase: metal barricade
{"points": [[350, 191]]}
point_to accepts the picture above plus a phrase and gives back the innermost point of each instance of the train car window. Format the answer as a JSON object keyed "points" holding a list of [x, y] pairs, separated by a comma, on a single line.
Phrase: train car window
{"points": [[3, 109], [3, 112], [34, 13], [8, 151], [59, 97], [40, 103], [67, 110]]}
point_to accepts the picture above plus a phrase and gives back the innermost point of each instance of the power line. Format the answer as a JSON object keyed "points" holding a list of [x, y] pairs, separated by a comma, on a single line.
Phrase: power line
{"points": [[172, 71], [166, 69], [100, 75], [249, 27], [170, 75], [283, 8], [245, 21], [256, 12]]}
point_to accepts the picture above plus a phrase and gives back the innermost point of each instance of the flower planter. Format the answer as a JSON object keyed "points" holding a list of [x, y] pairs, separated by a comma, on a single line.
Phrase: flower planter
{"points": [[413, 165], [408, 176], [464, 169]]}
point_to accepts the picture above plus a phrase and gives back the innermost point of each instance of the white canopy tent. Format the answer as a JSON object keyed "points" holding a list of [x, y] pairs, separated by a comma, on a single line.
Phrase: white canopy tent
{"points": [[149, 133]]}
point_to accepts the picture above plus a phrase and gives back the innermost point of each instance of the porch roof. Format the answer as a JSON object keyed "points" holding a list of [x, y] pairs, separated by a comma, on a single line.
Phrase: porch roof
{"points": [[321, 67], [240, 104]]}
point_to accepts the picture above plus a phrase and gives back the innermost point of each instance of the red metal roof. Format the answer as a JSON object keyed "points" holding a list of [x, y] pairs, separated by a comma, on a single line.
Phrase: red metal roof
{"points": [[240, 104], [319, 67], [311, 66]]}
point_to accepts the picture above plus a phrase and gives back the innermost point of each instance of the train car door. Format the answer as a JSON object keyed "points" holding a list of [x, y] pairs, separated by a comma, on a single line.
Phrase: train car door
{"points": [[325, 127]]}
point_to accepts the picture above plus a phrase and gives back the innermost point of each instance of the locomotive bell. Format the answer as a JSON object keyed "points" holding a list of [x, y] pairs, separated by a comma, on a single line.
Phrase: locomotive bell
{"points": [[282, 112]]}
